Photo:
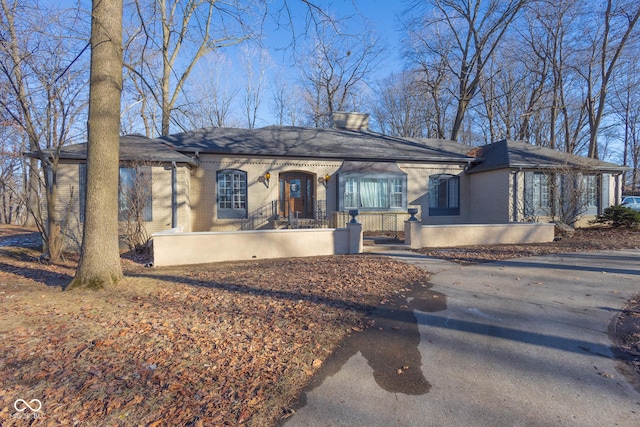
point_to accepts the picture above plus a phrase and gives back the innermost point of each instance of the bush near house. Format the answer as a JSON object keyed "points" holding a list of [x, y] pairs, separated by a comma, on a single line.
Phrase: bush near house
{"points": [[619, 216]]}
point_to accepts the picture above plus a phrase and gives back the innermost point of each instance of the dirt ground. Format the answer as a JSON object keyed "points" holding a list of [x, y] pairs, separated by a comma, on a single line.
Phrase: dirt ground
{"points": [[217, 344]]}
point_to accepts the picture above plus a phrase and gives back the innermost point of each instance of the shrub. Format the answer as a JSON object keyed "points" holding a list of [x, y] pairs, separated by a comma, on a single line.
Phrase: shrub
{"points": [[618, 216]]}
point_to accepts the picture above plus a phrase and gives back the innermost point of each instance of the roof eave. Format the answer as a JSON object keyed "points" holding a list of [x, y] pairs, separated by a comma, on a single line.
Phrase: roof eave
{"points": [[423, 159]]}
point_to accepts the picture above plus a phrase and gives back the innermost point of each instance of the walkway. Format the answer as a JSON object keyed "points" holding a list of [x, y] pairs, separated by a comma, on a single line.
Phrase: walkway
{"points": [[519, 342]]}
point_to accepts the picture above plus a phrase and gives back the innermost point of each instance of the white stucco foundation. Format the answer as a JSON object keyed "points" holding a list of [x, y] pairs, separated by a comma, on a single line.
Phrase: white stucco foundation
{"points": [[432, 236], [177, 248]]}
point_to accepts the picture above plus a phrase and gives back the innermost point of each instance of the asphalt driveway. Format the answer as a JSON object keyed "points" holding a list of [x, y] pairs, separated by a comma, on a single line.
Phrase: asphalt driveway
{"points": [[524, 342]]}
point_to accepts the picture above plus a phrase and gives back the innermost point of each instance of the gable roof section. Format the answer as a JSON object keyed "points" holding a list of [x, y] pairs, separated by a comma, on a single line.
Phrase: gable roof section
{"points": [[515, 154], [133, 148], [300, 142]]}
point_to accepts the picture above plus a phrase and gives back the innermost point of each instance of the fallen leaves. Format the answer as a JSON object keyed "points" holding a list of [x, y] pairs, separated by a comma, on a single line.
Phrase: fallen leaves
{"points": [[222, 344]]}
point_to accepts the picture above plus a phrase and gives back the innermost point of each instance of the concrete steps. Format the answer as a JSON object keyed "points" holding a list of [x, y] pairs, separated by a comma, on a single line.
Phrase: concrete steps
{"points": [[385, 248], [383, 245]]}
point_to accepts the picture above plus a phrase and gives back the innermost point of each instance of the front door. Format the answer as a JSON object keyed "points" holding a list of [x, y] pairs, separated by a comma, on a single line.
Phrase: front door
{"points": [[296, 194]]}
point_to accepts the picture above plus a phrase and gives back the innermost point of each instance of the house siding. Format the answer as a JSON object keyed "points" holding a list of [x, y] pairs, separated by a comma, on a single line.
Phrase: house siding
{"points": [[68, 205], [490, 194], [68, 202], [418, 190], [204, 208], [203, 195]]}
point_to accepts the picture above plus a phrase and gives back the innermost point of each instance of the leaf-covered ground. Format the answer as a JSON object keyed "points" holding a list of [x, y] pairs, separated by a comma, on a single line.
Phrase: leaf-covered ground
{"points": [[219, 344]]}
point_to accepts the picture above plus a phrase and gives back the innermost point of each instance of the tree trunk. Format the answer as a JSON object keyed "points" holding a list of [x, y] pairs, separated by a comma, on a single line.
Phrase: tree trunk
{"points": [[33, 199], [53, 230], [100, 258], [457, 123]]}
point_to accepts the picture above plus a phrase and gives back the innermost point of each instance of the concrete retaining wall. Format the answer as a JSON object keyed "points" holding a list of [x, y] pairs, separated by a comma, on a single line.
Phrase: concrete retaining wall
{"points": [[431, 236], [177, 248]]}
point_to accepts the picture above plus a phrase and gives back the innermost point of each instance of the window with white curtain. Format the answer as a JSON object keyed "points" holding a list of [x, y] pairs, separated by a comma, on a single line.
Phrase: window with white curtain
{"points": [[367, 192]]}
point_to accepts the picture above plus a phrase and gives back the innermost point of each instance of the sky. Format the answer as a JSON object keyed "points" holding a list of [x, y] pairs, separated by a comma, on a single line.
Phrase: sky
{"points": [[383, 20], [382, 14]]}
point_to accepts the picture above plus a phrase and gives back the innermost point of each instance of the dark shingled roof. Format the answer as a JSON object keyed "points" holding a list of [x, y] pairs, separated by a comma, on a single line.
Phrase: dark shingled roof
{"points": [[133, 148], [339, 144], [516, 154], [299, 142]]}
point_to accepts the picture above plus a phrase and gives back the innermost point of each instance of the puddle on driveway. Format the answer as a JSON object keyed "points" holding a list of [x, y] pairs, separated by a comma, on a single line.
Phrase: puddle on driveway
{"points": [[390, 346]]}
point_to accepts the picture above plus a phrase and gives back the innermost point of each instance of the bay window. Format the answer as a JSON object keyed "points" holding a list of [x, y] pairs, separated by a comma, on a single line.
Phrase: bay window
{"points": [[369, 192]]}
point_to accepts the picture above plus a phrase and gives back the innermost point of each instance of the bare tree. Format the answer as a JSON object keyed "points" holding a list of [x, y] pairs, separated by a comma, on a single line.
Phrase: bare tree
{"points": [[606, 46], [286, 102], [99, 264], [402, 109], [13, 72], [211, 95], [171, 36], [463, 36], [255, 63], [335, 68], [626, 96], [11, 200], [135, 204], [564, 193], [44, 100]]}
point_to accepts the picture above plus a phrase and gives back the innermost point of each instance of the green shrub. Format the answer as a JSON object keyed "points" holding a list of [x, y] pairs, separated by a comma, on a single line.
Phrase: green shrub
{"points": [[618, 216]]}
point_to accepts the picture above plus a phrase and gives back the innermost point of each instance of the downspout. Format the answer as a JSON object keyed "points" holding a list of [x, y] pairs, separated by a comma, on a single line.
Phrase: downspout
{"points": [[174, 195], [514, 197]]}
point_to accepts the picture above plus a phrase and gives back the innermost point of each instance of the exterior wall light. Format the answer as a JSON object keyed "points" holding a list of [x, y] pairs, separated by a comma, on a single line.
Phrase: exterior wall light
{"points": [[265, 179], [324, 179]]}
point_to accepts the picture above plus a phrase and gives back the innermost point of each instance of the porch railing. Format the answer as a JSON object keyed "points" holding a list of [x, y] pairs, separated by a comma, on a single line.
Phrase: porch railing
{"points": [[268, 216], [261, 218], [379, 222]]}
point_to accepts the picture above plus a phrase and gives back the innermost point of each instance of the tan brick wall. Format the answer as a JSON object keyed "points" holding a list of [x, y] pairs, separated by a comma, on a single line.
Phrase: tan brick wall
{"points": [[68, 185], [68, 205], [204, 188], [418, 190]]}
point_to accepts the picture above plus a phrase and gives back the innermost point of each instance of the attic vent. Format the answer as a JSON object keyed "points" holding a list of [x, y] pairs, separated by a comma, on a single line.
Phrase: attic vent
{"points": [[349, 121]]}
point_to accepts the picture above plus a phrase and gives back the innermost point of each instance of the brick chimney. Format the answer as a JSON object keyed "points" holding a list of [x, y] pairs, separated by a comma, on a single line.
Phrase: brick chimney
{"points": [[350, 120]]}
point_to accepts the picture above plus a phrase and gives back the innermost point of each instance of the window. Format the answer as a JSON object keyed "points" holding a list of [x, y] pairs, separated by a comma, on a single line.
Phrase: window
{"points": [[397, 193], [538, 187], [590, 190], [373, 192], [444, 195], [541, 194], [134, 194], [232, 194]]}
